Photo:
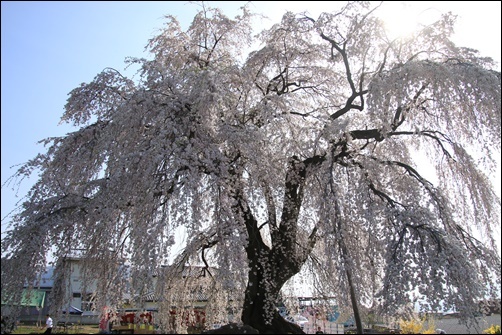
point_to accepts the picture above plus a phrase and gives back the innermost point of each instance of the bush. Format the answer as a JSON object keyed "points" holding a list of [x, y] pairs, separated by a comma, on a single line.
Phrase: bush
{"points": [[416, 326], [410, 327], [494, 329]]}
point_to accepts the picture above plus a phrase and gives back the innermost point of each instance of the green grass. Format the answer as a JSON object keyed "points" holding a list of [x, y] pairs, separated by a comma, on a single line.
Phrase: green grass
{"points": [[78, 329]]}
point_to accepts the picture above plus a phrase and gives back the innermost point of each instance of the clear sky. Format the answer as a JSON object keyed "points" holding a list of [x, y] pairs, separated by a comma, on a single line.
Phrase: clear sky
{"points": [[50, 47]]}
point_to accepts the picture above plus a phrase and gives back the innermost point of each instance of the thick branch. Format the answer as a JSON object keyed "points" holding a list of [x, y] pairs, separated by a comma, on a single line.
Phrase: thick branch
{"points": [[355, 94], [293, 196]]}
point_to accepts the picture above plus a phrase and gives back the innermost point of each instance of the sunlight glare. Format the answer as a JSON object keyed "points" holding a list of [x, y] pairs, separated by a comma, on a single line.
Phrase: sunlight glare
{"points": [[400, 19]]}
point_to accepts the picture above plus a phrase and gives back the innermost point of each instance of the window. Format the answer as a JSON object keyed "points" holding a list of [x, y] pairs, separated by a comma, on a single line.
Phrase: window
{"points": [[88, 302]]}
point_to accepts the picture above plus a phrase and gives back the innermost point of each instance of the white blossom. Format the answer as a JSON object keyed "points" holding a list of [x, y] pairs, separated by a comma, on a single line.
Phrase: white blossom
{"points": [[300, 156]]}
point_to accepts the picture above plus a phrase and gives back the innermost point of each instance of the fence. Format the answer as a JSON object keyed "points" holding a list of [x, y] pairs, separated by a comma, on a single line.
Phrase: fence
{"points": [[449, 325]]}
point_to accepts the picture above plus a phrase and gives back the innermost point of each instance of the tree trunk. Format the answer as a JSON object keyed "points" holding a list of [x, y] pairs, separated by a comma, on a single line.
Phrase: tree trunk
{"points": [[355, 308], [260, 311], [271, 267]]}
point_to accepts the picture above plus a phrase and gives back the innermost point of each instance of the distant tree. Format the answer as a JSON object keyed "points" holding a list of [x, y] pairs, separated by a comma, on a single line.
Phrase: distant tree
{"points": [[310, 153]]}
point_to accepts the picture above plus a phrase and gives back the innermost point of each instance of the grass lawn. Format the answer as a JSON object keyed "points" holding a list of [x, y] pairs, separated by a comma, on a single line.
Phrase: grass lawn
{"points": [[79, 329]]}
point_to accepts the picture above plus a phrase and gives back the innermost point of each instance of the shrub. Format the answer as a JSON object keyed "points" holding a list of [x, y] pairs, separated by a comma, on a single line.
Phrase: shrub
{"points": [[494, 329], [410, 327], [416, 326]]}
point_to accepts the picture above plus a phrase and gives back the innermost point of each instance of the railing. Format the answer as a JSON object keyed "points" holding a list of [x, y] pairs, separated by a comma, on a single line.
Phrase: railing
{"points": [[62, 327]]}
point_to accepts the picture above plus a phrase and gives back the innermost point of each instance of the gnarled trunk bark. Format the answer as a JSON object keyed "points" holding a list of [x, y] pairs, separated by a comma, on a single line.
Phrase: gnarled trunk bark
{"points": [[271, 267], [260, 302]]}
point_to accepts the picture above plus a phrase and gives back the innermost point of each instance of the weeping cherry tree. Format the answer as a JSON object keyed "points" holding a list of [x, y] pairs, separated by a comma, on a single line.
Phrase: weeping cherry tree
{"points": [[318, 145]]}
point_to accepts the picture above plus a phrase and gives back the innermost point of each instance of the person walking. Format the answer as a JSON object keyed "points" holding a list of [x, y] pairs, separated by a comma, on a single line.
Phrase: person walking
{"points": [[319, 331], [48, 325]]}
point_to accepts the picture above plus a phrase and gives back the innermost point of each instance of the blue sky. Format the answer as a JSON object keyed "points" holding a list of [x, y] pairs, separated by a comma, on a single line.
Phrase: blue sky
{"points": [[50, 47]]}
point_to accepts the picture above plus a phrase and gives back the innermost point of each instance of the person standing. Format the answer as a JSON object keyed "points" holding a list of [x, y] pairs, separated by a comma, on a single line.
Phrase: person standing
{"points": [[319, 331], [48, 325]]}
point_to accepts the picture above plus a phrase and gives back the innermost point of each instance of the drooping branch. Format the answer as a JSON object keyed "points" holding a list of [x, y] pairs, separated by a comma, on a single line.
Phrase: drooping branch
{"points": [[440, 138], [414, 173]]}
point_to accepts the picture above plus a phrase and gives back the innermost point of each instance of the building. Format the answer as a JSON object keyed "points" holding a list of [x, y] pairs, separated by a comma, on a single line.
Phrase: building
{"points": [[80, 308]]}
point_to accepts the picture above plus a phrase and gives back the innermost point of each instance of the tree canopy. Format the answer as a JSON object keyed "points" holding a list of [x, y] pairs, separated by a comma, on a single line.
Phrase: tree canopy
{"points": [[307, 147]]}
